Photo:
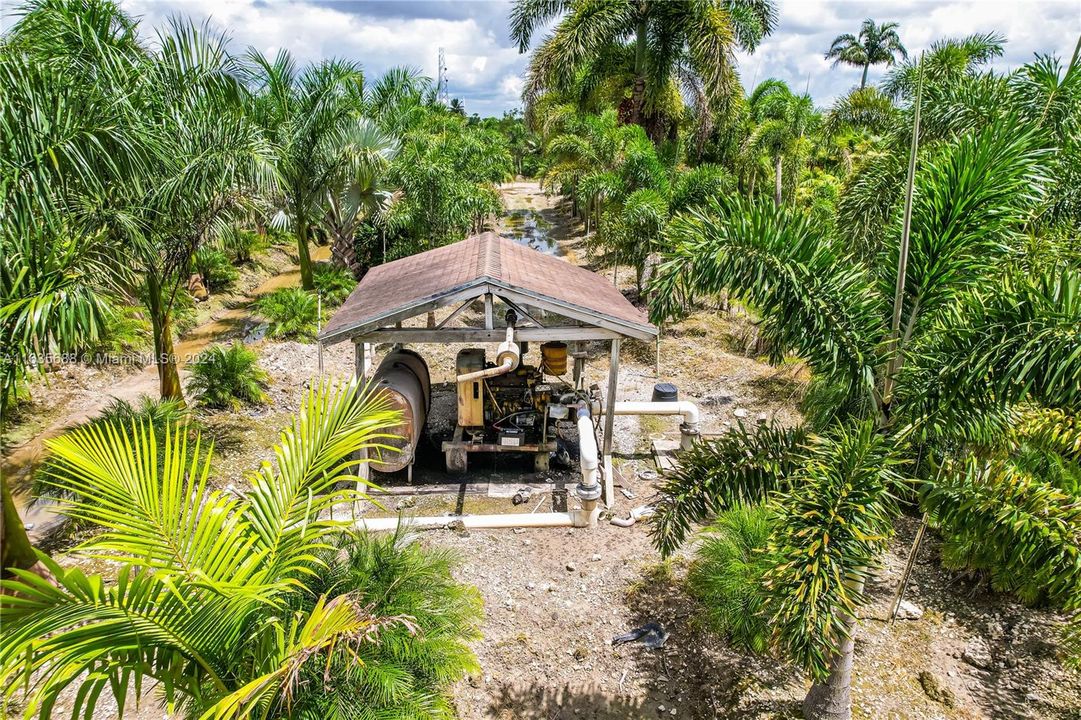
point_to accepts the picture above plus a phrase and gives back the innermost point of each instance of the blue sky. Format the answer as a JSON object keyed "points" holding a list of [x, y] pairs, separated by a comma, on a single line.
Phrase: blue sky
{"points": [[486, 69]]}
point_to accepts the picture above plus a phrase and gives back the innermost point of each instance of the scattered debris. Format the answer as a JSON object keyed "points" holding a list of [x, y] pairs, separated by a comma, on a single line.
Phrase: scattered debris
{"points": [[522, 495], [596, 557], [652, 635], [642, 511], [647, 474], [907, 610], [571, 567], [627, 493], [740, 413]]}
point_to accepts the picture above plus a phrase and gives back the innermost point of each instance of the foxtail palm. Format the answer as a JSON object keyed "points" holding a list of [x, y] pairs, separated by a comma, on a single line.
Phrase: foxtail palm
{"points": [[782, 120], [875, 45], [155, 153], [657, 40], [820, 302]]}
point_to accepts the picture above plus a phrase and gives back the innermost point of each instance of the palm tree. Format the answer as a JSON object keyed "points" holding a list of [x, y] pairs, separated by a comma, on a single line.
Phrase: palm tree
{"points": [[307, 117], [209, 600], [876, 44], [971, 355], [649, 47], [155, 154], [359, 191], [781, 122]]}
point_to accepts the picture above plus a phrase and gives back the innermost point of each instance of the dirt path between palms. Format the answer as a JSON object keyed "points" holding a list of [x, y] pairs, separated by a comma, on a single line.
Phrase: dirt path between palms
{"points": [[20, 460]]}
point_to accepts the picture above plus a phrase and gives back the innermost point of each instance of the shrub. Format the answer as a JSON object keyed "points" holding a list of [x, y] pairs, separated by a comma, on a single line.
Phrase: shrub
{"points": [[291, 313], [727, 574], [227, 377], [241, 244], [125, 331], [215, 267], [409, 668], [333, 283]]}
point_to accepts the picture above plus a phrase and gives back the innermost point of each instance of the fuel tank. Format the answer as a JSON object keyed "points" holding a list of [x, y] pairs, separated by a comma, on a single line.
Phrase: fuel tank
{"points": [[403, 377]]}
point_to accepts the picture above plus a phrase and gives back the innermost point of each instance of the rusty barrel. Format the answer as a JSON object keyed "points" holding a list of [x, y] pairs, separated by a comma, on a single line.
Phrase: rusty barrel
{"points": [[403, 378]]}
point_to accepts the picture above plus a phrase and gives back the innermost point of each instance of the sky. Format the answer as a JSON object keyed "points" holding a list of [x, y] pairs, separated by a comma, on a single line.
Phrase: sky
{"points": [[485, 69]]}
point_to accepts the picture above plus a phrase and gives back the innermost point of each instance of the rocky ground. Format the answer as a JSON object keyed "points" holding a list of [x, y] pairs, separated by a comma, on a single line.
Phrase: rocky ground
{"points": [[555, 598]]}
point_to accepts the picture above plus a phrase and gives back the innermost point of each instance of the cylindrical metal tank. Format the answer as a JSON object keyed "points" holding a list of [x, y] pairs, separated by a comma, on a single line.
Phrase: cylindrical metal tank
{"points": [[403, 377], [554, 358]]}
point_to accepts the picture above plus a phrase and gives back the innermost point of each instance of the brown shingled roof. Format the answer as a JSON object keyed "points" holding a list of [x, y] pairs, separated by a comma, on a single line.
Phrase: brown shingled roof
{"points": [[479, 264]]}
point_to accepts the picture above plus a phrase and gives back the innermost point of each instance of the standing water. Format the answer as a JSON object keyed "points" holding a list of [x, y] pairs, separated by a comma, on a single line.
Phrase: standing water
{"points": [[528, 228]]}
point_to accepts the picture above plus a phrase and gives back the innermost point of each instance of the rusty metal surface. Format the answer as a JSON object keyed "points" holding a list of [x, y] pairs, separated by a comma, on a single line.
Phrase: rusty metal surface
{"points": [[477, 261]]}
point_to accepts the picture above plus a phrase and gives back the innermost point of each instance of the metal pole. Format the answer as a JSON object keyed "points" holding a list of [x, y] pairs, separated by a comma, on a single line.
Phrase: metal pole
{"points": [[909, 564]]}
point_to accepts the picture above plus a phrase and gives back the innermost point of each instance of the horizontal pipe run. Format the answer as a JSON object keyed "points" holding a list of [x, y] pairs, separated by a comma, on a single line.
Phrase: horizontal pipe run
{"points": [[573, 518], [685, 408], [502, 369]]}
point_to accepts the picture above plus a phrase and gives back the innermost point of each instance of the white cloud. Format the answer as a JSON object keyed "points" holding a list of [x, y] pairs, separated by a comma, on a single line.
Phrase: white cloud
{"points": [[794, 53], [485, 69], [477, 58]]}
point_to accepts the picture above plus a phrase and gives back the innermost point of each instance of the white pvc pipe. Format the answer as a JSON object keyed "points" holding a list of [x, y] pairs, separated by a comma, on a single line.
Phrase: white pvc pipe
{"points": [[686, 408], [588, 454], [574, 518], [688, 431]]}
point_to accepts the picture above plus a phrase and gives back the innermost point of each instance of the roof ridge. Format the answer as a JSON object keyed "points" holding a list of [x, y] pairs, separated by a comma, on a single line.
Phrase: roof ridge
{"points": [[490, 256]]}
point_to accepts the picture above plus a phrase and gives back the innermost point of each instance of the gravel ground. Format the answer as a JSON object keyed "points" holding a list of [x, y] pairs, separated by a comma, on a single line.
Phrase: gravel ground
{"points": [[555, 598]]}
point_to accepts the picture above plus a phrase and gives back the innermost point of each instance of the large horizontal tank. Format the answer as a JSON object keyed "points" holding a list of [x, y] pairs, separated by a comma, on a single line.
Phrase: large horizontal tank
{"points": [[403, 378]]}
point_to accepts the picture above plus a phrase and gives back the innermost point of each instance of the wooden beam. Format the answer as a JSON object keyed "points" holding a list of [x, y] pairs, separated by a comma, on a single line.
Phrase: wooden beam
{"points": [[446, 321], [521, 311], [479, 335], [609, 421], [488, 311], [586, 315], [468, 291]]}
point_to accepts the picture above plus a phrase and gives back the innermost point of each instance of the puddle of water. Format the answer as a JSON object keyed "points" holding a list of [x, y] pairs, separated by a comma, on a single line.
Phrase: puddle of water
{"points": [[528, 228]]}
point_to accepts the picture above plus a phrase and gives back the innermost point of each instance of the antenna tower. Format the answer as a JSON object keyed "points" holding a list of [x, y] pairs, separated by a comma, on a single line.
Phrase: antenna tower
{"points": [[442, 95]]}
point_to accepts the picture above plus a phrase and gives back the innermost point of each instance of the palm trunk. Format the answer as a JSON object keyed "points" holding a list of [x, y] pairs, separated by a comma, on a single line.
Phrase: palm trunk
{"points": [[832, 699], [15, 548], [777, 180], [301, 227], [863, 82], [162, 326], [344, 251], [638, 93]]}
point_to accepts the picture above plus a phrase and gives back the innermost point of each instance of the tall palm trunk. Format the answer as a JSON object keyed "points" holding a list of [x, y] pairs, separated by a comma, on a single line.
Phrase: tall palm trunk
{"points": [[638, 93], [15, 548], [863, 82], [832, 699], [777, 180], [162, 327], [307, 281]]}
